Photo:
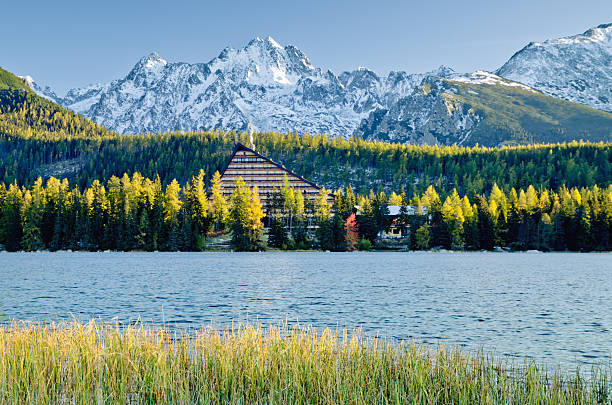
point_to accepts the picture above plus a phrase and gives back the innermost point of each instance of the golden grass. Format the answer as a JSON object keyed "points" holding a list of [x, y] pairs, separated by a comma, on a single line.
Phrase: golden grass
{"points": [[93, 363]]}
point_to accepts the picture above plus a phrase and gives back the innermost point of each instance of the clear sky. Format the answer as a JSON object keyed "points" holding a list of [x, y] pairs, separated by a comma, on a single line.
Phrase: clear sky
{"points": [[70, 43]]}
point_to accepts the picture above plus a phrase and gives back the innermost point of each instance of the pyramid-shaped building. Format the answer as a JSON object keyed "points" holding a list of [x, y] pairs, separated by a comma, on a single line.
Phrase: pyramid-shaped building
{"points": [[257, 170]]}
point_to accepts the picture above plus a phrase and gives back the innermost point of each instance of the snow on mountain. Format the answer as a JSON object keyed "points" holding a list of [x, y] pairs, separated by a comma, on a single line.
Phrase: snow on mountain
{"points": [[576, 68], [45, 92], [273, 87], [482, 77], [277, 88], [428, 115]]}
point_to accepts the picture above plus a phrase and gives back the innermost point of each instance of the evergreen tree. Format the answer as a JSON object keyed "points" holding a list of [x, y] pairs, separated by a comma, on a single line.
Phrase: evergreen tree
{"points": [[423, 237], [31, 217], [277, 234], [367, 219], [245, 218], [219, 206], [196, 212], [172, 206], [487, 223], [11, 224], [380, 208], [454, 219], [404, 218]]}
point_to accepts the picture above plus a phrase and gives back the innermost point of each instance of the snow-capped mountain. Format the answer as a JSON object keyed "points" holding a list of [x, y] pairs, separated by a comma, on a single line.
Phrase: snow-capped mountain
{"points": [[483, 108], [276, 88], [271, 86], [576, 68]]}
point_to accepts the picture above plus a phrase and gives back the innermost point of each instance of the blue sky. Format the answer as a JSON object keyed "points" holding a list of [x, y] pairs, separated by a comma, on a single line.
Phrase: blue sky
{"points": [[70, 43]]}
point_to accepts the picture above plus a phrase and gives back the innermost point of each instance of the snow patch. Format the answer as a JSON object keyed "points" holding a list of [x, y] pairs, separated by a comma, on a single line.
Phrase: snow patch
{"points": [[29, 80], [483, 77]]}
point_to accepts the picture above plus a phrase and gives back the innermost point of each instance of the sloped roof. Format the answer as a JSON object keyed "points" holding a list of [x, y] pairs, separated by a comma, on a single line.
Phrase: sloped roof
{"points": [[241, 147]]}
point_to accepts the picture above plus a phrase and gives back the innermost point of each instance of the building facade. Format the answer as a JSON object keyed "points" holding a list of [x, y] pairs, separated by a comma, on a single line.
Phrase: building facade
{"points": [[267, 175]]}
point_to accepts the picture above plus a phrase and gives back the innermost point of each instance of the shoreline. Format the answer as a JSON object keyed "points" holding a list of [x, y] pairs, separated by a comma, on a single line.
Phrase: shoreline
{"points": [[317, 251]]}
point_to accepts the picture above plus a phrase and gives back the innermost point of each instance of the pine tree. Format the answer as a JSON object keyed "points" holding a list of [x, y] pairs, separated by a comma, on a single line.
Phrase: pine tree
{"points": [[219, 205], [277, 234], [322, 208], [300, 230], [367, 220], [423, 237], [381, 212], [11, 223], [172, 206], [245, 218], [454, 219], [255, 221], [487, 223], [31, 219], [197, 212]]}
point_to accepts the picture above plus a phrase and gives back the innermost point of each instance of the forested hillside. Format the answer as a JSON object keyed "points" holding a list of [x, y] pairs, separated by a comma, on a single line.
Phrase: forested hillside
{"points": [[10, 81], [40, 138], [120, 191]]}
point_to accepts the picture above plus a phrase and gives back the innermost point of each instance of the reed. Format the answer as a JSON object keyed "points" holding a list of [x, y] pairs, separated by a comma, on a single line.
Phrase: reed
{"points": [[83, 363]]}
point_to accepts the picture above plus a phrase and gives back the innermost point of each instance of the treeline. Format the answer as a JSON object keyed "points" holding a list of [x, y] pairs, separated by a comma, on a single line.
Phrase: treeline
{"points": [[566, 219], [40, 139], [137, 213], [134, 213]]}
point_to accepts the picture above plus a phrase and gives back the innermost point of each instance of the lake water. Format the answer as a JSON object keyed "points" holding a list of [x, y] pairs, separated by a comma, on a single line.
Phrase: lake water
{"points": [[554, 307]]}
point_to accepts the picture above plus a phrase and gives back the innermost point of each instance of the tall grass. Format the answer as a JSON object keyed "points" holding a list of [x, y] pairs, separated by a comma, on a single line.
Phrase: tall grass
{"points": [[80, 363]]}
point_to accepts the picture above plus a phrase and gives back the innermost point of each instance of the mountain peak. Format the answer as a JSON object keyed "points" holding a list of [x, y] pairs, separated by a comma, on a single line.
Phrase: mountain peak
{"points": [[268, 41], [600, 33], [152, 60], [442, 71], [272, 42], [596, 35], [262, 60], [574, 68]]}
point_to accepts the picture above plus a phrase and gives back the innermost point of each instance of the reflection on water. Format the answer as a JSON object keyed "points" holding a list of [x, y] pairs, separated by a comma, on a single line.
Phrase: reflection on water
{"points": [[555, 307]]}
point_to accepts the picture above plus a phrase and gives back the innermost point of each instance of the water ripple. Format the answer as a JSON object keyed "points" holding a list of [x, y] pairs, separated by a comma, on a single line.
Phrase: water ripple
{"points": [[551, 307]]}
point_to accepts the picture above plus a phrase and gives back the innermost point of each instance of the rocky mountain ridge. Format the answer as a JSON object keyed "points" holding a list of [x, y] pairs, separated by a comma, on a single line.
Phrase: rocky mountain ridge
{"points": [[276, 88], [576, 68]]}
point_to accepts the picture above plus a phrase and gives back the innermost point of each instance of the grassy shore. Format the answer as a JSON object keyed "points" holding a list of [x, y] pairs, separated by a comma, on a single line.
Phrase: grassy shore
{"points": [[80, 363]]}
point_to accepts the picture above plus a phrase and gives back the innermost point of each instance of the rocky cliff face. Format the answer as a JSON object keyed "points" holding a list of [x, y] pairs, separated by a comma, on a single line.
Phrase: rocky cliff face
{"points": [[428, 115]]}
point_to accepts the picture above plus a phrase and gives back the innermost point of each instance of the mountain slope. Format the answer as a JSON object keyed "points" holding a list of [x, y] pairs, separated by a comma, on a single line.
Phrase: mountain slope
{"points": [[482, 108], [265, 84], [576, 68], [26, 114], [10, 81]]}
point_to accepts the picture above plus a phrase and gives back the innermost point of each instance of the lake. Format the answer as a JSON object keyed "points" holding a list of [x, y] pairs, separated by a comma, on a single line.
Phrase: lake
{"points": [[552, 307]]}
